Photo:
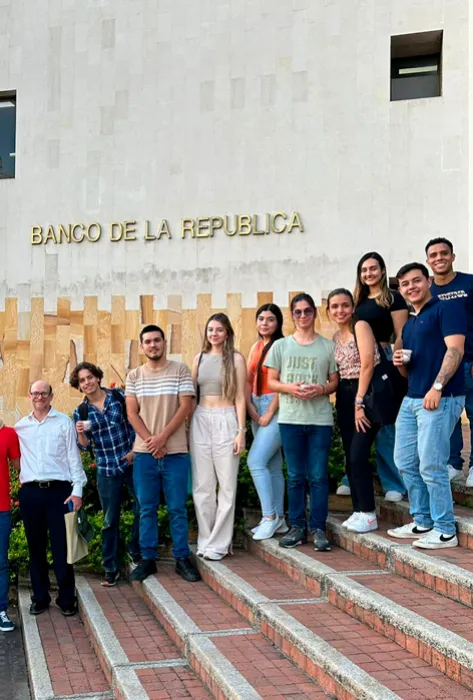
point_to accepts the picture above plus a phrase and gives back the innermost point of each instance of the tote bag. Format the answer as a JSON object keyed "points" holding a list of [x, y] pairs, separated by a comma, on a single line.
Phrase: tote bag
{"points": [[78, 533], [385, 393]]}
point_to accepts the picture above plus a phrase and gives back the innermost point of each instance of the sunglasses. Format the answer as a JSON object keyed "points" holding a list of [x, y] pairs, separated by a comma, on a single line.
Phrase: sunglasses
{"points": [[309, 311]]}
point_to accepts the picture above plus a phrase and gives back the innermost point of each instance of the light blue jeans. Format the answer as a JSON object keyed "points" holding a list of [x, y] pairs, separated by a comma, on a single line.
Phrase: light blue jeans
{"points": [[265, 460], [421, 452]]}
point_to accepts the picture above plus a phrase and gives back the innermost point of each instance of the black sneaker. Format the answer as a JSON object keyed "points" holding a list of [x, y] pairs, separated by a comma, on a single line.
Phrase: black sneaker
{"points": [[67, 610], [6, 625], [295, 536], [110, 579], [145, 568], [38, 608], [321, 543], [135, 558], [185, 569]]}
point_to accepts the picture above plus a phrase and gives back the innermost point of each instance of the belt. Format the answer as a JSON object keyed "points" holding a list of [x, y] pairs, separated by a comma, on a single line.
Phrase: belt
{"points": [[46, 484]]}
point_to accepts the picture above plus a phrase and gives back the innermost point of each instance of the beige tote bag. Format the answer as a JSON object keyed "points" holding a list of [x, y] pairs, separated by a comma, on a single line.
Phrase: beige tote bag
{"points": [[77, 547]]}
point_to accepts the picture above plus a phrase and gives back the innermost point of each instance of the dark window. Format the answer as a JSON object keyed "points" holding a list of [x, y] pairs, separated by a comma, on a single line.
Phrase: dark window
{"points": [[416, 63], [7, 135]]}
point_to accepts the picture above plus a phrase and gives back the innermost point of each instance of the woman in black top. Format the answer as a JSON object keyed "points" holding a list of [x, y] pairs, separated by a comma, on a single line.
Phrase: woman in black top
{"points": [[386, 312]]}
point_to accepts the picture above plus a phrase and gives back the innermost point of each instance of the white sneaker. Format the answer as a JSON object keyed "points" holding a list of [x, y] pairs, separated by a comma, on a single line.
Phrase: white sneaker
{"points": [[436, 540], [365, 522], [454, 474], [283, 527], [393, 496], [409, 531], [469, 478], [351, 519], [253, 529], [214, 556], [267, 529], [343, 490]]}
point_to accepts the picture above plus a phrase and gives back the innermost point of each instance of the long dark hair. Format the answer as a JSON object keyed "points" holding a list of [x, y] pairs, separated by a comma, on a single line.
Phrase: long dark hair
{"points": [[362, 291], [229, 382], [276, 311]]}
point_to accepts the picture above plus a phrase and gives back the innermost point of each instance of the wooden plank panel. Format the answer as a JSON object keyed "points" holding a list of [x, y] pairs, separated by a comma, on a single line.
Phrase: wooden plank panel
{"points": [[90, 311], [146, 305], [118, 310]]}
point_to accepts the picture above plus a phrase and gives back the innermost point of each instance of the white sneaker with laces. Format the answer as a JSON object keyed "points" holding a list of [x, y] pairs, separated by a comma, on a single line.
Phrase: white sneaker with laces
{"points": [[454, 474], [6, 625], [253, 529], [365, 522], [436, 540], [351, 519], [214, 556], [267, 529], [393, 496], [283, 527], [469, 478], [409, 531], [343, 490]]}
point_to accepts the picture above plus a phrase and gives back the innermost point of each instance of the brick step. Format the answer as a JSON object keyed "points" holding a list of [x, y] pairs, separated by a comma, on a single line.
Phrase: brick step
{"points": [[60, 659], [326, 642], [447, 571], [219, 643], [140, 659], [426, 626], [398, 514]]}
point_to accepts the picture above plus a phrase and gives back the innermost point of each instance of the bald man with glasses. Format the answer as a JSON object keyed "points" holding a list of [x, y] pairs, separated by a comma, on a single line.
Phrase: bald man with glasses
{"points": [[52, 479]]}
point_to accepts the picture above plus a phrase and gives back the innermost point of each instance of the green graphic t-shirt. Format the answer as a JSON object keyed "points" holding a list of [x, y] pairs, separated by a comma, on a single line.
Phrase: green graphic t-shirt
{"points": [[311, 364]]}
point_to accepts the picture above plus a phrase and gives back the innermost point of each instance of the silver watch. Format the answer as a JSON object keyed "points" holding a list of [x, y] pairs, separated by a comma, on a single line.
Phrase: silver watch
{"points": [[438, 386]]}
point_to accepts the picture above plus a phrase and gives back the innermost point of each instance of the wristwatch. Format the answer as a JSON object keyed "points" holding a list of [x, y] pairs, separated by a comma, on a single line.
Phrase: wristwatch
{"points": [[438, 386]]}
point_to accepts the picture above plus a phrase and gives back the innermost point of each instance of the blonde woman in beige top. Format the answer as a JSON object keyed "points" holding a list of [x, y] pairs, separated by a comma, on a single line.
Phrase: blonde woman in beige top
{"points": [[217, 436]]}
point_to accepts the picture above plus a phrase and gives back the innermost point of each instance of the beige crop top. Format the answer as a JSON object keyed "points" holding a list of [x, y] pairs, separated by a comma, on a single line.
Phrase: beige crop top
{"points": [[209, 375]]}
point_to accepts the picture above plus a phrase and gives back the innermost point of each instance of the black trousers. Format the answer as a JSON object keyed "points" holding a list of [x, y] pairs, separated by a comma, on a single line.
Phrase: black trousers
{"points": [[43, 511], [357, 447]]}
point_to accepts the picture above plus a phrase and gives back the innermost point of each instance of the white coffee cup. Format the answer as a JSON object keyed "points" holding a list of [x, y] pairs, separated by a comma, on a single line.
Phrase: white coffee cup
{"points": [[406, 355], [87, 424]]}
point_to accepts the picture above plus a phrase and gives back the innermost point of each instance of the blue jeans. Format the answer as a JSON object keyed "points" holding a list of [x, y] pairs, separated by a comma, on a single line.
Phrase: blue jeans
{"points": [[171, 473], [5, 527], [110, 494], [456, 441], [307, 450], [421, 451], [265, 460]]}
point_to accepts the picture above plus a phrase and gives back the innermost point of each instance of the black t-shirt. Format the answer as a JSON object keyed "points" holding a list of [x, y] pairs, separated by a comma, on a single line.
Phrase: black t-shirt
{"points": [[459, 292], [378, 317]]}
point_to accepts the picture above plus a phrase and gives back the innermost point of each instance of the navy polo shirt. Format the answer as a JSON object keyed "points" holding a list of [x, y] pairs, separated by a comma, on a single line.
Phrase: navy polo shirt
{"points": [[424, 334]]}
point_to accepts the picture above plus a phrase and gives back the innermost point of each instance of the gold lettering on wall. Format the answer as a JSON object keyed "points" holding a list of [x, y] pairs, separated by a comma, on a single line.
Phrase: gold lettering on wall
{"points": [[202, 227]]}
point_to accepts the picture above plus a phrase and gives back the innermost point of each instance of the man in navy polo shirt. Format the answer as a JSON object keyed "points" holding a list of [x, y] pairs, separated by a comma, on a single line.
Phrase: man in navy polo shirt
{"points": [[456, 288], [435, 337]]}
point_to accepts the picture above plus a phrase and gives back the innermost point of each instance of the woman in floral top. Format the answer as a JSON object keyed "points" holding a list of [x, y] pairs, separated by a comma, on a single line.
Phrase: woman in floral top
{"points": [[356, 354]]}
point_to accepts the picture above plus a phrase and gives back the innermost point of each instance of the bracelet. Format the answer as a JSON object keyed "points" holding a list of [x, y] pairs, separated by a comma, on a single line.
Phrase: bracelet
{"points": [[359, 406], [359, 400], [242, 430]]}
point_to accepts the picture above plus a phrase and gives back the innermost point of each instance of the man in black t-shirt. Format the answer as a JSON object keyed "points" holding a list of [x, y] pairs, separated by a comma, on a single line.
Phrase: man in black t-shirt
{"points": [[455, 288]]}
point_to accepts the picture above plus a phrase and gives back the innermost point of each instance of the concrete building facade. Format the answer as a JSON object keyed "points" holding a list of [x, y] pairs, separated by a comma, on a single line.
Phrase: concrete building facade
{"points": [[175, 157]]}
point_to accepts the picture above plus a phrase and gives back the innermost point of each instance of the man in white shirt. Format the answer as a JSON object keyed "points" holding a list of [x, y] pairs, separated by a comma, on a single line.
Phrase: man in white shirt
{"points": [[51, 476]]}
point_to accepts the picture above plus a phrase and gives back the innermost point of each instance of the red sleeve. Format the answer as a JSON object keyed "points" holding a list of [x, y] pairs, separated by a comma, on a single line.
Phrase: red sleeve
{"points": [[13, 445]]}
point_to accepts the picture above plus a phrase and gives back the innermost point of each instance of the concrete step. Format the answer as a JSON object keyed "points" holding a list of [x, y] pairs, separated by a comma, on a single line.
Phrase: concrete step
{"points": [[60, 660], [424, 623], [233, 657], [447, 571], [329, 643]]}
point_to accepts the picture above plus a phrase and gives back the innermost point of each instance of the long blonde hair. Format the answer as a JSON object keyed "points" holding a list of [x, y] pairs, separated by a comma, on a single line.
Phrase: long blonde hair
{"points": [[229, 382], [385, 299]]}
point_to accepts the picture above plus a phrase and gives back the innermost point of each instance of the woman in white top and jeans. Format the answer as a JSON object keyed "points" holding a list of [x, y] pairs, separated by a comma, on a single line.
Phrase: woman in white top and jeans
{"points": [[217, 436]]}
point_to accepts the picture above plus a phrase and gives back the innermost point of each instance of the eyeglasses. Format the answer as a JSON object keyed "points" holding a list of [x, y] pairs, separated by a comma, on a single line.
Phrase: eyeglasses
{"points": [[309, 311], [40, 394]]}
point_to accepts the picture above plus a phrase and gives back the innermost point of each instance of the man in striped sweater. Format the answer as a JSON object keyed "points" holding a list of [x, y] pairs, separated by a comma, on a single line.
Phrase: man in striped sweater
{"points": [[159, 399]]}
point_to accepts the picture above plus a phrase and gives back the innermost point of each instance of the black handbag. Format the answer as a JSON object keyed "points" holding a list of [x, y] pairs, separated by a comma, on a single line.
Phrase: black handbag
{"points": [[385, 393]]}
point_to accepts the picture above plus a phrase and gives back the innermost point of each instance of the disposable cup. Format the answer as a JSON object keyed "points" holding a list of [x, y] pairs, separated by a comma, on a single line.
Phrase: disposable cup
{"points": [[406, 356]]}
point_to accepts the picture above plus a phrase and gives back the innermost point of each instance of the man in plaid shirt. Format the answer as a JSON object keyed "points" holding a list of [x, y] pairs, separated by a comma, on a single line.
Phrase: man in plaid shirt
{"points": [[101, 419]]}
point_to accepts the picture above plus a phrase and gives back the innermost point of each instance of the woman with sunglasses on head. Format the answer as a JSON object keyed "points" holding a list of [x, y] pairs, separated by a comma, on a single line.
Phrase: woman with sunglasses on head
{"points": [[357, 354], [217, 436], [302, 369], [386, 312], [265, 456]]}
